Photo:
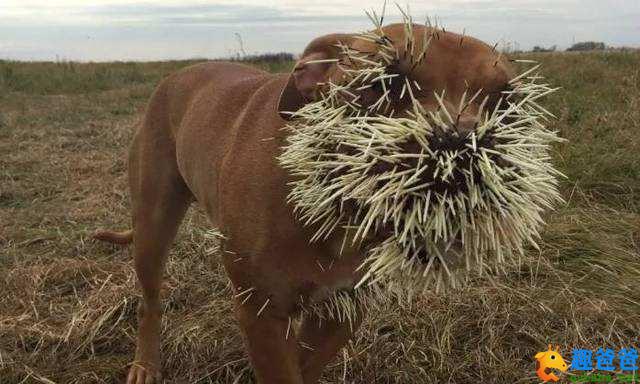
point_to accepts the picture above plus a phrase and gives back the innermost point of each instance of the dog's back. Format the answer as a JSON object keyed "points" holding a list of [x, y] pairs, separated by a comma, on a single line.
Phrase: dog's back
{"points": [[192, 120], [209, 95], [211, 110]]}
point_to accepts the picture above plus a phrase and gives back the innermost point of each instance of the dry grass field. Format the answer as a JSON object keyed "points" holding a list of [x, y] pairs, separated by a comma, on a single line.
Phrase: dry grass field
{"points": [[67, 303]]}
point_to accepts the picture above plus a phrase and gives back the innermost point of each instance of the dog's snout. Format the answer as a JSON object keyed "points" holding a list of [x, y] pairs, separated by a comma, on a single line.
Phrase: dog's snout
{"points": [[465, 125]]}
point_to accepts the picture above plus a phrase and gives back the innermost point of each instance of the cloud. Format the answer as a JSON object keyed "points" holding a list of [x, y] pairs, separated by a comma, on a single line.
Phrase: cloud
{"points": [[76, 12], [112, 29]]}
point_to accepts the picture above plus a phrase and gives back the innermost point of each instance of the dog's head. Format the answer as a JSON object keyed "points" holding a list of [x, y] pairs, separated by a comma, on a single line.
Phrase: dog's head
{"points": [[420, 136], [432, 60]]}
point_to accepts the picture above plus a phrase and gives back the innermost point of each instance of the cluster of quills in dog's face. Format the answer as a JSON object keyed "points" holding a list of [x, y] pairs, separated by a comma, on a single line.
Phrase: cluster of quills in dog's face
{"points": [[369, 158]]}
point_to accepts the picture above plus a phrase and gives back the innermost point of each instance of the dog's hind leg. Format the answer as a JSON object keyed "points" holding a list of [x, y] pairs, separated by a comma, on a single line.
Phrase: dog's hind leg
{"points": [[160, 199]]}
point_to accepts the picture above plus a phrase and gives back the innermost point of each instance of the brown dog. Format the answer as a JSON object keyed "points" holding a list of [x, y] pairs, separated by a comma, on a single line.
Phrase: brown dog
{"points": [[212, 133]]}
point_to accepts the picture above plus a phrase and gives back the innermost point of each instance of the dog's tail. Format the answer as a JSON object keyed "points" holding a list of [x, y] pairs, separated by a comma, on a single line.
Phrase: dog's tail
{"points": [[123, 238]]}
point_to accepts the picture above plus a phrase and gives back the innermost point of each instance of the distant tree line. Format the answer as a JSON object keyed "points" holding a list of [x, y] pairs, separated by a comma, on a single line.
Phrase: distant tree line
{"points": [[587, 46], [581, 46], [279, 57], [538, 48], [240, 54]]}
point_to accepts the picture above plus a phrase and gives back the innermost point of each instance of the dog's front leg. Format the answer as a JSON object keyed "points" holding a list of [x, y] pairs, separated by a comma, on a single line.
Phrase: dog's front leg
{"points": [[271, 344], [321, 340]]}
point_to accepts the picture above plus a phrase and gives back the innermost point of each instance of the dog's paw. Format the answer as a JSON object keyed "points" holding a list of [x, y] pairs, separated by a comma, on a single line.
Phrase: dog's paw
{"points": [[143, 373]]}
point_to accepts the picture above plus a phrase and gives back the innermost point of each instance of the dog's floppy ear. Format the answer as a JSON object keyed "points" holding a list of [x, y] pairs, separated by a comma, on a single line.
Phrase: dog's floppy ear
{"points": [[314, 67]]}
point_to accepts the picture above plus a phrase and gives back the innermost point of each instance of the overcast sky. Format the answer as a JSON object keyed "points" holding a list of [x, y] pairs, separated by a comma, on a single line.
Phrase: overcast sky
{"points": [[102, 30]]}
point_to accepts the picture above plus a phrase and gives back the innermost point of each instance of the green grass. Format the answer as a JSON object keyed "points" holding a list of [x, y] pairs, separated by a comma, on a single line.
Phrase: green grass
{"points": [[46, 78], [70, 78], [67, 312]]}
